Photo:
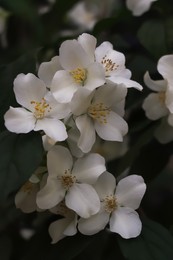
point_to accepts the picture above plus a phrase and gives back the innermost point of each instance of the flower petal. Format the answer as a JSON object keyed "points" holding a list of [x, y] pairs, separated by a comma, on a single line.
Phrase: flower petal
{"points": [[94, 224], [130, 191], [72, 55], [155, 85], [53, 128], [88, 42], [125, 222], [164, 132], [71, 229], [87, 133], [47, 70], [63, 86], [81, 101], [87, 169], [105, 185], [83, 199], [19, 120], [73, 136], [154, 107], [59, 160], [95, 76], [56, 229], [102, 50], [51, 194], [139, 7], [115, 128], [28, 88], [128, 83], [165, 65]]}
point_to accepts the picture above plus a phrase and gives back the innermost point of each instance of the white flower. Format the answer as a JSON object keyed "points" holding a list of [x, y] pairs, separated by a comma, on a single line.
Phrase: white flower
{"points": [[164, 132], [118, 205], [71, 182], [99, 111], [47, 70], [113, 63], [39, 111], [77, 59], [160, 103], [138, 7], [65, 226]]}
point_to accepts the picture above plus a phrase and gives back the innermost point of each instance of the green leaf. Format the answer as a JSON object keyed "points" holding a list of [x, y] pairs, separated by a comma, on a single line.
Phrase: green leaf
{"points": [[20, 157], [153, 37], [154, 243], [24, 64]]}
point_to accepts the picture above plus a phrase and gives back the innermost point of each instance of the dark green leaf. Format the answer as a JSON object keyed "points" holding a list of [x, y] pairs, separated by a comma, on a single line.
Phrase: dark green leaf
{"points": [[154, 243], [20, 156]]}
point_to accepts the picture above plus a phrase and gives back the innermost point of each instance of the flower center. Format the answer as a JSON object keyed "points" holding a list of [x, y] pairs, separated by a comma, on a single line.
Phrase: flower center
{"points": [[68, 179], [162, 97], [108, 64], [110, 203], [99, 112], [40, 108], [79, 75], [27, 187]]}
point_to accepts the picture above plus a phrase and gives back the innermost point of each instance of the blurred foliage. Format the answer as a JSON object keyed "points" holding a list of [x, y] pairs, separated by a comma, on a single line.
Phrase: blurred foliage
{"points": [[31, 37]]}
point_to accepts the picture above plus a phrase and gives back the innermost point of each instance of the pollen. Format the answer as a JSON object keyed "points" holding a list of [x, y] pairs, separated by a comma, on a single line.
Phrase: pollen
{"points": [[99, 112], [68, 179], [162, 97], [41, 108], [79, 75], [108, 64], [110, 203]]}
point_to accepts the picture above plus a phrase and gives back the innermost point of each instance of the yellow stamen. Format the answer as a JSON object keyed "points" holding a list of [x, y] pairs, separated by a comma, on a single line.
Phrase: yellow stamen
{"points": [[68, 179], [99, 112], [110, 203], [79, 75], [108, 64], [40, 108]]}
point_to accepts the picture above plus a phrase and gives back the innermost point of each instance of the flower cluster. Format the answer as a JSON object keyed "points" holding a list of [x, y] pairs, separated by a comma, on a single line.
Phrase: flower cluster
{"points": [[78, 99]]}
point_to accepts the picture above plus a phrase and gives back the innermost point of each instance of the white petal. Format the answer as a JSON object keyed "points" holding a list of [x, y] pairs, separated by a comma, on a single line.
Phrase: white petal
{"points": [[83, 199], [165, 65], [139, 7], [89, 168], [164, 133], [88, 43], [115, 128], [109, 94], [28, 88], [19, 120], [56, 229], [154, 107], [94, 224], [130, 191], [95, 76], [72, 55], [105, 185], [81, 101], [71, 228], [50, 195], [87, 133], [73, 136], [169, 96], [63, 86], [59, 160], [170, 119], [57, 110], [156, 85], [128, 83], [125, 222], [102, 50], [47, 70], [53, 128]]}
